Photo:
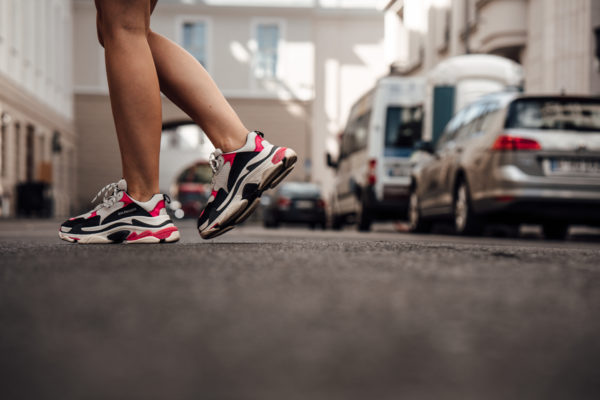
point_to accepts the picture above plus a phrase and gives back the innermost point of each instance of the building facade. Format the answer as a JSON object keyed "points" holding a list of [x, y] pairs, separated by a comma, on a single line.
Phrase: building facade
{"points": [[556, 41], [36, 104], [289, 68]]}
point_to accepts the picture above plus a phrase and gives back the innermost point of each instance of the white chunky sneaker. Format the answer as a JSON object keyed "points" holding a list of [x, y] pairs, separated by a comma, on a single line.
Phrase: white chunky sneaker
{"points": [[240, 178], [119, 218]]}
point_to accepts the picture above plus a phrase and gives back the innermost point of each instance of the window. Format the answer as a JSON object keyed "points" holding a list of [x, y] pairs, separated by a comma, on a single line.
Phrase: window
{"points": [[356, 134], [267, 41], [194, 39], [450, 132], [550, 113], [403, 129]]}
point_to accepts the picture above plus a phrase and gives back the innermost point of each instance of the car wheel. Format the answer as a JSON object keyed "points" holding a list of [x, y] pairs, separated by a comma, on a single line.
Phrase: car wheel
{"points": [[270, 223], [555, 230], [465, 220], [416, 222], [336, 222], [365, 219]]}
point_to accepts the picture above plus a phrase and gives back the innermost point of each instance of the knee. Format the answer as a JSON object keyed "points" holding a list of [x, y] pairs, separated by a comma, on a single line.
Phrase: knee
{"points": [[118, 17]]}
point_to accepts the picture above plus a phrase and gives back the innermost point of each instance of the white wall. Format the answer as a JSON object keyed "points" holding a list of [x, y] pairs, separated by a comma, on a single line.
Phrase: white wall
{"points": [[560, 47], [36, 95], [554, 38], [36, 50]]}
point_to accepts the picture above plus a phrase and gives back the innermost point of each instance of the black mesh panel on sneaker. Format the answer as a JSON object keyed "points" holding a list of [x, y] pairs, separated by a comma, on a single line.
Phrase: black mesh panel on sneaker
{"points": [[239, 163], [210, 212]]}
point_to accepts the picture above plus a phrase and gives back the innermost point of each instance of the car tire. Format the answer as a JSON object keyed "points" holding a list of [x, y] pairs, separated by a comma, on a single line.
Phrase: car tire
{"points": [[336, 222], [416, 222], [555, 230], [365, 219], [271, 223], [466, 222]]}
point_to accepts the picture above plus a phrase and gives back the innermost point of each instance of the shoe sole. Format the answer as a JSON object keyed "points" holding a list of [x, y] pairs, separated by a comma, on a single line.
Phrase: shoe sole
{"points": [[127, 235], [270, 179]]}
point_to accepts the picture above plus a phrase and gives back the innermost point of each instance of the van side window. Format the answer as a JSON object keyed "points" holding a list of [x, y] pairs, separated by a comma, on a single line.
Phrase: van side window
{"points": [[346, 148], [361, 132], [356, 134]]}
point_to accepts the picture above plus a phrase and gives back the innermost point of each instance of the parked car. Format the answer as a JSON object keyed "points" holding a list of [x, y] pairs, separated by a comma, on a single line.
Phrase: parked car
{"points": [[295, 202], [192, 189], [515, 159], [372, 173]]}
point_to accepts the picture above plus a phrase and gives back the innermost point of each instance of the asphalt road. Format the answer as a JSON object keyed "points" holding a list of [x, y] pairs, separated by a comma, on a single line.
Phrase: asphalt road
{"points": [[298, 314]]}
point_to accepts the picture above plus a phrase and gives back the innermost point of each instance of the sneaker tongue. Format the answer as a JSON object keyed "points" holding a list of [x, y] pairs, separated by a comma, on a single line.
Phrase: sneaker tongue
{"points": [[122, 185]]}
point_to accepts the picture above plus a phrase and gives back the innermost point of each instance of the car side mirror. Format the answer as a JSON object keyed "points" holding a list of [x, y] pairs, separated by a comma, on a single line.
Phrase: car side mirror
{"points": [[425, 146], [330, 162]]}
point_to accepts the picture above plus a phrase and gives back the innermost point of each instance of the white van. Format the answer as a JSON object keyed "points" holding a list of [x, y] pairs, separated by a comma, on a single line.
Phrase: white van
{"points": [[459, 81], [373, 169]]}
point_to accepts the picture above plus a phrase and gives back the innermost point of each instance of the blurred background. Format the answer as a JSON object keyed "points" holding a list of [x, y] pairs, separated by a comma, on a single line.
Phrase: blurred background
{"points": [[291, 68]]}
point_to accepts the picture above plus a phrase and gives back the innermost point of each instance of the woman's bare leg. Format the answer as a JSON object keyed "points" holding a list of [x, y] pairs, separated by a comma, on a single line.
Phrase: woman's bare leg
{"points": [[134, 91], [184, 81]]}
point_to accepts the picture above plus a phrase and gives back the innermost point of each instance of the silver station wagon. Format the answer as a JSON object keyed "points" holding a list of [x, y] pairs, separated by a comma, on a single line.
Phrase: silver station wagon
{"points": [[512, 158]]}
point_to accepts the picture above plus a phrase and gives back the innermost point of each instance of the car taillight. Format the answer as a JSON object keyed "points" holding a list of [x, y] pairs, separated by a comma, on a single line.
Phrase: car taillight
{"points": [[510, 143], [371, 172], [284, 202], [320, 203]]}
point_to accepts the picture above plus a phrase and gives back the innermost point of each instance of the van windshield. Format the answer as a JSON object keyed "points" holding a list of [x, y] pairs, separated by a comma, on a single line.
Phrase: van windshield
{"points": [[403, 129], [570, 114]]}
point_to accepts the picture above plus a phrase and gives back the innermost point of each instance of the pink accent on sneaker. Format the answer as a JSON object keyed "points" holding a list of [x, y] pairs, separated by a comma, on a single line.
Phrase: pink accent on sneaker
{"points": [[229, 157], [213, 194], [162, 234], [74, 238], [92, 215], [278, 155], [72, 219], [159, 206], [126, 200], [258, 142]]}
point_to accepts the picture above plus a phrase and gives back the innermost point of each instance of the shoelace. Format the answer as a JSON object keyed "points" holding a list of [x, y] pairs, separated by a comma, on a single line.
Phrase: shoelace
{"points": [[109, 199], [216, 161]]}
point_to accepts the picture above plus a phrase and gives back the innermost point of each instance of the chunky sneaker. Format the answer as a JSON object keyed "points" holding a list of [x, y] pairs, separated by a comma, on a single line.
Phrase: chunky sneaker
{"points": [[240, 178], [119, 218]]}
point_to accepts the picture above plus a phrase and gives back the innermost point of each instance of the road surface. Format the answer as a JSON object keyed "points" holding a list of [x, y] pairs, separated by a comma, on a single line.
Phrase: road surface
{"points": [[298, 314]]}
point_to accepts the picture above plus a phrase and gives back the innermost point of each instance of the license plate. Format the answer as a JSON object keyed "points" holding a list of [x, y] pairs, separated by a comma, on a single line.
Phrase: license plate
{"points": [[399, 170], [304, 204], [569, 166]]}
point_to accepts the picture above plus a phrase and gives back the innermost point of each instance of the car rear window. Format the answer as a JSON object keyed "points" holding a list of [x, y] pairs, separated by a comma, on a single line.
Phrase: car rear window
{"points": [[300, 189], [555, 114], [403, 129]]}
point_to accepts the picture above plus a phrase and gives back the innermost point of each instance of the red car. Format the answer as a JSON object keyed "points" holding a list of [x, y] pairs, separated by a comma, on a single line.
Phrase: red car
{"points": [[193, 188]]}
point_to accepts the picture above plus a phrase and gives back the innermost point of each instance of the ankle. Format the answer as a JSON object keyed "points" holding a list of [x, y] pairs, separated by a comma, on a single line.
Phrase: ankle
{"points": [[232, 143], [141, 195]]}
